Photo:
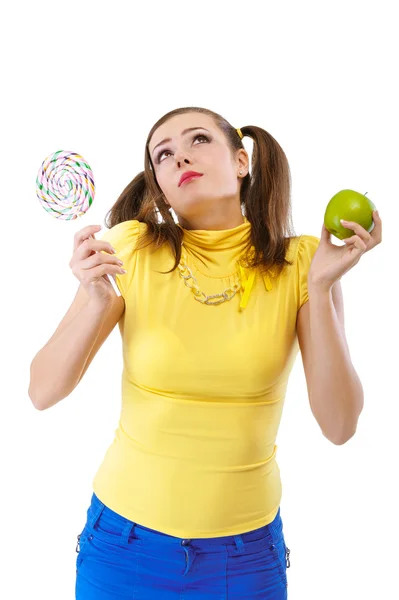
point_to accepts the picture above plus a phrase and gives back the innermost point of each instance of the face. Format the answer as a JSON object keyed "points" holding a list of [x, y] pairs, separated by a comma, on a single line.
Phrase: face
{"points": [[208, 202]]}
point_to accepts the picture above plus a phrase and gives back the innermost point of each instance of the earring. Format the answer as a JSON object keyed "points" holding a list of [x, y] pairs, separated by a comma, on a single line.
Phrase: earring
{"points": [[240, 172]]}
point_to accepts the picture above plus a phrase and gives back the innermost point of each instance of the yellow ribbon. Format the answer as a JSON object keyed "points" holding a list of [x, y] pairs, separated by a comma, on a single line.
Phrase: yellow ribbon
{"points": [[247, 285]]}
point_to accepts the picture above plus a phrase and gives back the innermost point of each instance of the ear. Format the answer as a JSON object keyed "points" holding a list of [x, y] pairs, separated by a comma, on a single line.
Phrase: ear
{"points": [[243, 160]]}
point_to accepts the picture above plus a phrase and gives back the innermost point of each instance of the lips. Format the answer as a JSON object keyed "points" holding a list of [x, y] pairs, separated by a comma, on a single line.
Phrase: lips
{"points": [[188, 175]]}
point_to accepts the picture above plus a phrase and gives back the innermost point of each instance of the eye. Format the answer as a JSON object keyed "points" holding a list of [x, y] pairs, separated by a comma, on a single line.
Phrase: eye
{"points": [[199, 135]]}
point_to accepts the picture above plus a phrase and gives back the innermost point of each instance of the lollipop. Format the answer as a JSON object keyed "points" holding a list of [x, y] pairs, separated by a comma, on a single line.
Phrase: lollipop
{"points": [[65, 188]]}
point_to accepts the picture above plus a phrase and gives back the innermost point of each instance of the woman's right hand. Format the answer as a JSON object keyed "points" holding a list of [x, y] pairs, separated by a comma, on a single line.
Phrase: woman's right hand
{"points": [[91, 267]]}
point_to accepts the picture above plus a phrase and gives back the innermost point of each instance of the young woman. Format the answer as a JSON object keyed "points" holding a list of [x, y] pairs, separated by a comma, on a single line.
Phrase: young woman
{"points": [[212, 313]]}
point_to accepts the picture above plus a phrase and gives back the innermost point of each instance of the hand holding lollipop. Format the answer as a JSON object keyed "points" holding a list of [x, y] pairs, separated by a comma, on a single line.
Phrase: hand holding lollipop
{"points": [[65, 188], [93, 267]]}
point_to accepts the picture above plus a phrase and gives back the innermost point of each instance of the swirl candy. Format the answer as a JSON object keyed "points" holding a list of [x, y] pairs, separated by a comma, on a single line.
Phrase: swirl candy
{"points": [[65, 188], [65, 185]]}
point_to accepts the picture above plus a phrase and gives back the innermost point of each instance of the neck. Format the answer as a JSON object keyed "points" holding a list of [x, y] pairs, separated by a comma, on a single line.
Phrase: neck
{"points": [[212, 225]]}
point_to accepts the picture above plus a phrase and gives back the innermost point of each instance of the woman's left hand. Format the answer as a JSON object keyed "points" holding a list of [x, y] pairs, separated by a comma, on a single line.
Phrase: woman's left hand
{"points": [[330, 262]]}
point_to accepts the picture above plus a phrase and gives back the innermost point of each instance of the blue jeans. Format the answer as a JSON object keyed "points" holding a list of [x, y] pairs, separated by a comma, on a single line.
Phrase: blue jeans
{"points": [[119, 559]]}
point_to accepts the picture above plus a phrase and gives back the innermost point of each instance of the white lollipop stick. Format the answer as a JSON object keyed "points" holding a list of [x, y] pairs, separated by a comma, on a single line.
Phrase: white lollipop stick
{"points": [[111, 279]]}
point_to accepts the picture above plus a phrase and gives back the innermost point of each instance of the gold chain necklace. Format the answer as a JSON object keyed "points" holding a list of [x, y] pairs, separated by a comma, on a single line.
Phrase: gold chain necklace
{"points": [[186, 274], [228, 293]]}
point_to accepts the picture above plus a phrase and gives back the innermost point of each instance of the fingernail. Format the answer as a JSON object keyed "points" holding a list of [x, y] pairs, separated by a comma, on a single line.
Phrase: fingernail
{"points": [[343, 221]]}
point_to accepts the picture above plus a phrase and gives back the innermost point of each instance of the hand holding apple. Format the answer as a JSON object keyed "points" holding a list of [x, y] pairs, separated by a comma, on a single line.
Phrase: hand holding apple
{"points": [[330, 262]]}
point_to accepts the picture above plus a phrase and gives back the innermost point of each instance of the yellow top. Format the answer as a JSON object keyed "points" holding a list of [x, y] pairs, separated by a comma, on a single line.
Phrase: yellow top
{"points": [[203, 387]]}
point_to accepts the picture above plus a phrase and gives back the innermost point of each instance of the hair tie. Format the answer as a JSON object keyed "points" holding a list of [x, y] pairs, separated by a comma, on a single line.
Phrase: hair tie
{"points": [[240, 133]]}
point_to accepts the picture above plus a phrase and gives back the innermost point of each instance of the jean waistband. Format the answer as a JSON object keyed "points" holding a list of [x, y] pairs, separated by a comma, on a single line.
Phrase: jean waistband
{"points": [[117, 524]]}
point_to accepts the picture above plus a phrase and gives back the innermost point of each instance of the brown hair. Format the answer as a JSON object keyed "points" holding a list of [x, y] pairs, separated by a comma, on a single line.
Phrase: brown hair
{"points": [[265, 195]]}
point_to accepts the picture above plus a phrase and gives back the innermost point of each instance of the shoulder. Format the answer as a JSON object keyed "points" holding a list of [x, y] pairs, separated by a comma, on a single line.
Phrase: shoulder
{"points": [[132, 226], [124, 237], [306, 246], [123, 233], [301, 246]]}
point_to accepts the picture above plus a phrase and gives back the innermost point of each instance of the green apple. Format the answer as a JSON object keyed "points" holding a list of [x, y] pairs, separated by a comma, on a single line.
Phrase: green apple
{"points": [[350, 206]]}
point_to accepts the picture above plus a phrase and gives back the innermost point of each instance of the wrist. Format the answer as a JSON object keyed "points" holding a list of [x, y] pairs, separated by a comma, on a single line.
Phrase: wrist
{"points": [[317, 287]]}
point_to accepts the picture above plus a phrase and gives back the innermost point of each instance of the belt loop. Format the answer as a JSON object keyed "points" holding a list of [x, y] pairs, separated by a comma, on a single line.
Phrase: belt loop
{"points": [[128, 528], [92, 521], [239, 543], [275, 527]]}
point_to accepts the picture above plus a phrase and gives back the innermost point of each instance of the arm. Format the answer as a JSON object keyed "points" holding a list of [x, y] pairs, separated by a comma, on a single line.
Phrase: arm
{"points": [[59, 366], [335, 390]]}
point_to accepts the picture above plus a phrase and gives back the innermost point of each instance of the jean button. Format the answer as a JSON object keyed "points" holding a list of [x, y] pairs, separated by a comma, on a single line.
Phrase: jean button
{"points": [[185, 542]]}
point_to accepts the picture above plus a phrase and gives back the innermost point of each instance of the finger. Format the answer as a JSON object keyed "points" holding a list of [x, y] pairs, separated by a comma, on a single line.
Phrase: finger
{"points": [[85, 233], [88, 230], [357, 242], [325, 234], [358, 229], [348, 240], [93, 246], [376, 216], [376, 234]]}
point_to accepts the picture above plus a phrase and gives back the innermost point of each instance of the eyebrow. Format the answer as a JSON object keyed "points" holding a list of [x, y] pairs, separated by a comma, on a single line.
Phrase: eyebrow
{"points": [[183, 132]]}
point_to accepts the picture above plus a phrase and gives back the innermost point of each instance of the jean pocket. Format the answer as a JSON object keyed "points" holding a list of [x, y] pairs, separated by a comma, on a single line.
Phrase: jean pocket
{"points": [[265, 558]]}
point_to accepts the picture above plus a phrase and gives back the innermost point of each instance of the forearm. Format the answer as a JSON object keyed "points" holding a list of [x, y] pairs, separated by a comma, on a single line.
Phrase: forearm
{"points": [[336, 392], [56, 368]]}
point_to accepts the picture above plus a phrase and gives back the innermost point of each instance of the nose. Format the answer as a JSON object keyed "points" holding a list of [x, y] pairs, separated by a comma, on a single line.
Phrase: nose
{"points": [[185, 160], [181, 158]]}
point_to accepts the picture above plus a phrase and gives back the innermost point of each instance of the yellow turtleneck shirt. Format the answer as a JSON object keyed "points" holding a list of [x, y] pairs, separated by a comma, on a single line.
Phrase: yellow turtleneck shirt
{"points": [[203, 387]]}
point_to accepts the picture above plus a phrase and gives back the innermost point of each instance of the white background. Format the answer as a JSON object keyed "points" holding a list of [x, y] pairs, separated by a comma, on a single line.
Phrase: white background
{"points": [[93, 77]]}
